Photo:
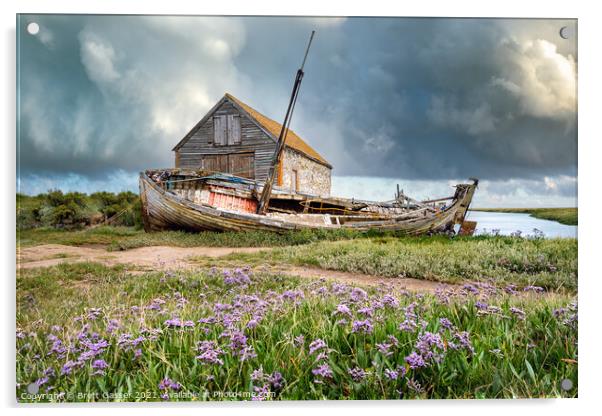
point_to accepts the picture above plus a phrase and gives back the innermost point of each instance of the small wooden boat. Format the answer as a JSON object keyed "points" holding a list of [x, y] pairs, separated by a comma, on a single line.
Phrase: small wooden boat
{"points": [[180, 199]]}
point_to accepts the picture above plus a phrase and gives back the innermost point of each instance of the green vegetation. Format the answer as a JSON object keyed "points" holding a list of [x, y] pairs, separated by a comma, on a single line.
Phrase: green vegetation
{"points": [[566, 216], [123, 238], [551, 263], [86, 332], [76, 210]]}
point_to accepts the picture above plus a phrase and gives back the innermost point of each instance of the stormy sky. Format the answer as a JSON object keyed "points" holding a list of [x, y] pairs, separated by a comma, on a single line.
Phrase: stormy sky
{"points": [[420, 102]]}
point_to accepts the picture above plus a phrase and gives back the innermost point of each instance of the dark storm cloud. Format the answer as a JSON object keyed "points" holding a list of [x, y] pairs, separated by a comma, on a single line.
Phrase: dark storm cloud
{"points": [[407, 98]]}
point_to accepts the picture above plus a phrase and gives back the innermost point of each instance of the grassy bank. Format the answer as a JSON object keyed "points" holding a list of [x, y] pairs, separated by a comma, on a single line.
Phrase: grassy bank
{"points": [[123, 238], [551, 263], [566, 216], [95, 331]]}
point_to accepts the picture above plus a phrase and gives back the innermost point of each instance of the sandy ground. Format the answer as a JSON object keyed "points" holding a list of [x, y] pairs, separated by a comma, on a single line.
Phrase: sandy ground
{"points": [[170, 258]]}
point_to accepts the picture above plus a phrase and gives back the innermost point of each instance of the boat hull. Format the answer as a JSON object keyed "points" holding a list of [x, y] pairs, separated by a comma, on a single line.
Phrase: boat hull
{"points": [[164, 210]]}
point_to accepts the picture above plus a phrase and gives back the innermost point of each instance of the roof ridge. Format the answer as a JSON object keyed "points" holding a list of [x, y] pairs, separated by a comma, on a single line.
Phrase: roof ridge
{"points": [[292, 139]]}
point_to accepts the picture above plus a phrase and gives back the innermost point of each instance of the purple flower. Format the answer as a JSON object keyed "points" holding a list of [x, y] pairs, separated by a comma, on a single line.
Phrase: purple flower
{"points": [[389, 300], [238, 277], [252, 323], [391, 374], [343, 309], [316, 345], [112, 326], [294, 295], [511, 289], [276, 380], [358, 294], [209, 352], [362, 326], [520, 314], [536, 289], [261, 393], [461, 340], [446, 323], [415, 360], [481, 305], [415, 386], [99, 366], [323, 371], [384, 349], [178, 323], [68, 367], [408, 326], [299, 340], [257, 375], [166, 385], [357, 374], [42, 381]]}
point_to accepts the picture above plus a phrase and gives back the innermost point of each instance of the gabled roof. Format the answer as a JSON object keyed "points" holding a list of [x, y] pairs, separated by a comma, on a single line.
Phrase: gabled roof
{"points": [[271, 127]]}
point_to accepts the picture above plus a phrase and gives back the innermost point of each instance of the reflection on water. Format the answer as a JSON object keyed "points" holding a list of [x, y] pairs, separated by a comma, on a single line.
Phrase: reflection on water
{"points": [[508, 223]]}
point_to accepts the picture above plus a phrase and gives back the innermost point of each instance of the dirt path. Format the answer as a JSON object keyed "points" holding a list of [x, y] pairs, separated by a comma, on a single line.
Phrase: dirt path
{"points": [[152, 258], [166, 258]]}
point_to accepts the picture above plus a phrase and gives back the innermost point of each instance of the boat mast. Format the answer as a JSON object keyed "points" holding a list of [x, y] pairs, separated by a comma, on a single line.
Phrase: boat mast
{"points": [[264, 200]]}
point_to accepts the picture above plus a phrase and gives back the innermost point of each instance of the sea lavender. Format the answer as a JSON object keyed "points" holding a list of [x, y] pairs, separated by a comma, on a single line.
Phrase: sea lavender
{"points": [[445, 323], [357, 374], [276, 380], [342, 309], [415, 360], [316, 345], [520, 314], [362, 326], [322, 371], [358, 294], [209, 352], [99, 366], [384, 349], [430, 346], [391, 374], [178, 323], [535, 289]]}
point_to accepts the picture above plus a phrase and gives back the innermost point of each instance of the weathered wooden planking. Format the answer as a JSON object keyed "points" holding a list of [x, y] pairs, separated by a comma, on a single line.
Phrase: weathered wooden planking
{"points": [[166, 210]]}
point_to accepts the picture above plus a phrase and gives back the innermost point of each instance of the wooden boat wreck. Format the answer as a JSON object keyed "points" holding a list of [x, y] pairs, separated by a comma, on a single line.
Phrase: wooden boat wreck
{"points": [[201, 200], [180, 199]]}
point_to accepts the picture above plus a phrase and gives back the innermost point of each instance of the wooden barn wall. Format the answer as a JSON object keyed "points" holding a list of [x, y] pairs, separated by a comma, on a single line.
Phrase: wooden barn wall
{"points": [[253, 140]]}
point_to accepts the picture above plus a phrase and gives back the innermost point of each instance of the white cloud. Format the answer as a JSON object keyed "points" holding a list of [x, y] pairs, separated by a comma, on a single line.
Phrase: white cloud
{"points": [[97, 56], [541, 78]]}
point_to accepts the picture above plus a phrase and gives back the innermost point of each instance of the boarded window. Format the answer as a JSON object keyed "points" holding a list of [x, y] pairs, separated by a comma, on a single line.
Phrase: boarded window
{"points": [[242, 164], [233, 129], [226, 130], [220, 132], [239, 164]]}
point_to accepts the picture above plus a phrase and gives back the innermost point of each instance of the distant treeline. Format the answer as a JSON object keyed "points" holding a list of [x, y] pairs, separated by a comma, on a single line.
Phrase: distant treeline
{"points": [[78, 210]]}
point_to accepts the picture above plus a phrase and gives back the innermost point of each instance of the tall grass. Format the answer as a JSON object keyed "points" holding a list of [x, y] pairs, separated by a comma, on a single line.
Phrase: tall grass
{"points": [[86, 332], [551, 263], [124, 238]]}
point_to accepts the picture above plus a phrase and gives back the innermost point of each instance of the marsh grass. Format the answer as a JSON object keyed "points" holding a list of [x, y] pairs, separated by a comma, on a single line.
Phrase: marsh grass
{"points": [[124, 238], [83, 305], [550, 263]]}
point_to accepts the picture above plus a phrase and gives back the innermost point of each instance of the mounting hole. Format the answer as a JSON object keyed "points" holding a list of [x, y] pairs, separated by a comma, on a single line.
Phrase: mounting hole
{"points": [[33, 28]]}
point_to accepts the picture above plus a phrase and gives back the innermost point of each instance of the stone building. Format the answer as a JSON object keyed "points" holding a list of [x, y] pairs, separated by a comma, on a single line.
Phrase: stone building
{"points": [[235, 138]]}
